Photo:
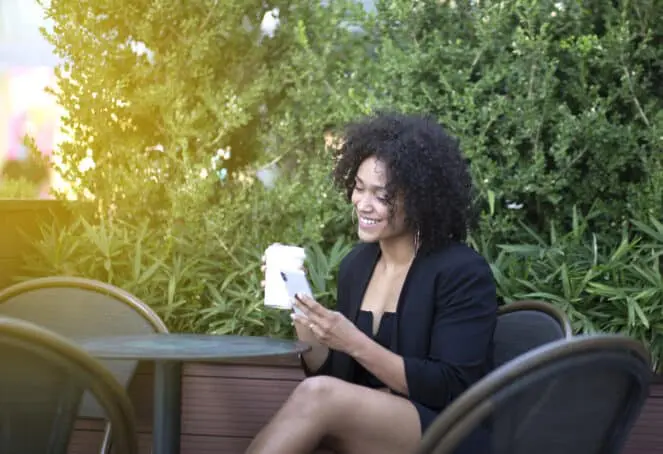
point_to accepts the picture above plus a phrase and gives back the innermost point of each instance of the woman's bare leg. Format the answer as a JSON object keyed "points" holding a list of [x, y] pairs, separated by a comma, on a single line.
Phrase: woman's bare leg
{"points": [[357, 419]]}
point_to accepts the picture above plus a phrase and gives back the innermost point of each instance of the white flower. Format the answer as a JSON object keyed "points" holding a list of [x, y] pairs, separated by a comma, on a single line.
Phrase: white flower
{"points": [[86, 164], [270, 22]]}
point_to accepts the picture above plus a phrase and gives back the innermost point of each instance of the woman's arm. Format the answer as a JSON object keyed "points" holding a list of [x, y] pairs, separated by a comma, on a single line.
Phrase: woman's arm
{"points": [[464, 322], [318, 360], [462, 332], [465, 315], [387, 366], [315, 361]]}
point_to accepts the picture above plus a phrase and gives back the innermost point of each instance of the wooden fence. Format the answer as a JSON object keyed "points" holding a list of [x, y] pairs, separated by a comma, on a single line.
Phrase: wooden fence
{"points": [[224, 406]]}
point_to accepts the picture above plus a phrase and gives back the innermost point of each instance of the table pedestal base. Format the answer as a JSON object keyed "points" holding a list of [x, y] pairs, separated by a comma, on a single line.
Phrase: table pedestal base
{"points": [[167, 402]]}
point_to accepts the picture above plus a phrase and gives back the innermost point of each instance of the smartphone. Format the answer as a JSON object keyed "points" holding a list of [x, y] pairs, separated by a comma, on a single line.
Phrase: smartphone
{"points": [[296, 282]]}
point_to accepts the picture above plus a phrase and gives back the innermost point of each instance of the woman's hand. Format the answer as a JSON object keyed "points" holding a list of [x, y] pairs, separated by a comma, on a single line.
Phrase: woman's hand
{"points": [[303, 331], [315, 358], [330, 328]]}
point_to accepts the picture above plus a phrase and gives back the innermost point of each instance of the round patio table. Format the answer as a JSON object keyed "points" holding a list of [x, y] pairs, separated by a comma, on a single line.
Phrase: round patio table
{"points": [[168, 352]]}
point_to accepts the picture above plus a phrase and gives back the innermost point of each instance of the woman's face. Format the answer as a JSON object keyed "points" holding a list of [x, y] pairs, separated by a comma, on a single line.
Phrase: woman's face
{"points": [[369, 198]]}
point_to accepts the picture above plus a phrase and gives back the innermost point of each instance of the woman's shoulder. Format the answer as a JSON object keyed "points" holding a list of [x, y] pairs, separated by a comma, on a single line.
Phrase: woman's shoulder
{"points": [[462, 276], [456, 254], [456, 260]]}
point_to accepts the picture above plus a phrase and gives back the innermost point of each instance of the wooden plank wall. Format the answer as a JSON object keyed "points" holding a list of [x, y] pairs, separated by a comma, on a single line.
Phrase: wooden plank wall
{"points": [[647, 435], [224, 406]]}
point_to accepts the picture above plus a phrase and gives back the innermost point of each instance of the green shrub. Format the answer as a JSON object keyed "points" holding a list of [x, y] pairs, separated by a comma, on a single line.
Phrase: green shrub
{"points": [[556, 104], [158, 92], [216, 290], [603, 285], [20, 188], [173, 107], [202, 272]]}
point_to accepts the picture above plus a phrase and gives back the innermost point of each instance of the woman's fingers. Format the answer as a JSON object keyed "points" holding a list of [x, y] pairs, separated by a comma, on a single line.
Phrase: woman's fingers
{"points": [[303, 322], [301, 306], [304, 304], [300, 320], [312, 305], [318, 332], [321, 319]]}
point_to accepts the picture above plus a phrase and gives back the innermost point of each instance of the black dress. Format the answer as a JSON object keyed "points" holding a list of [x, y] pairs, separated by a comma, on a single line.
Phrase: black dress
{"points": [[442, 328], [383, 337]]}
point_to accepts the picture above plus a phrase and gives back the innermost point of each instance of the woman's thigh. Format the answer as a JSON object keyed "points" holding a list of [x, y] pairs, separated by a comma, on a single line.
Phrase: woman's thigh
{"points": [[363, 420]]}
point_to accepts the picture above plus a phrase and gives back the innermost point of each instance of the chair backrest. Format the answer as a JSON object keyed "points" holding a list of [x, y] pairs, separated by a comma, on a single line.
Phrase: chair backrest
{"points": [[525, 325], [590, 391], [41, 386], [79, 308]]}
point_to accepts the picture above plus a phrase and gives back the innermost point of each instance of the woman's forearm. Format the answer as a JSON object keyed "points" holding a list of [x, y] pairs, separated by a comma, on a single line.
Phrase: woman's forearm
{"points": [[387, 366], [315, 357]]}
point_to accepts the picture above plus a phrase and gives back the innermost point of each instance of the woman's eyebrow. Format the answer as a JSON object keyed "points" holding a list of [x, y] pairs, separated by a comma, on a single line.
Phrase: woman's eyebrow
{"points": [[371, 186]]}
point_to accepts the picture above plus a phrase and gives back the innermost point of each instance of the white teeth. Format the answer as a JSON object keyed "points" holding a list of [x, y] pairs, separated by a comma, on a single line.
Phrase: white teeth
{"points": [[369, 221]]}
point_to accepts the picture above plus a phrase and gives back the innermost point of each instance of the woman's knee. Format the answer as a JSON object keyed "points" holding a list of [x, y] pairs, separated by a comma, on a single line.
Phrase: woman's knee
{"points": [[317, 396], [317, 389]]}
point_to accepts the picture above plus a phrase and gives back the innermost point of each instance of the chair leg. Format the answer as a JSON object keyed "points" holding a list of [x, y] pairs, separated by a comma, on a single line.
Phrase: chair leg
{"points": [[107, 440]]}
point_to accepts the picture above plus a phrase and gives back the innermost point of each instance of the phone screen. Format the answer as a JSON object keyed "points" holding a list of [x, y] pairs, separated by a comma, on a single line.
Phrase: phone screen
{"points": [[296, 282]]}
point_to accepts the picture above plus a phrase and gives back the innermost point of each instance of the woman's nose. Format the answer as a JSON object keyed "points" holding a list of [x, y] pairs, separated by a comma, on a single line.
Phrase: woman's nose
{"points": [[364, 205]]}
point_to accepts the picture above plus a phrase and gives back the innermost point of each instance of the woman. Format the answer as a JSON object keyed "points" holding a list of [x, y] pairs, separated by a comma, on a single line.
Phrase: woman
{"points": [[416, 307]]}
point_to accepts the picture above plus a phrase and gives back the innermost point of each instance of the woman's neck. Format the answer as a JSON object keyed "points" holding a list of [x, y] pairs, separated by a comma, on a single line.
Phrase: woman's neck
{"points": [[397, 252]]}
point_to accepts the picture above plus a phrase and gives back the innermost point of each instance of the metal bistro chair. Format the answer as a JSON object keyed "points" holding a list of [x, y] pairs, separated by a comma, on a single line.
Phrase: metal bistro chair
{"points": [[521, 327], [524, 325], [584, 394], [41, 388], [79, 308]]}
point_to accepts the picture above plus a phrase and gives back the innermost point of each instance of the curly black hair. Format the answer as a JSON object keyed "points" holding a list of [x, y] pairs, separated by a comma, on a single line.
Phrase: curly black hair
{"points": [[423, 163]]}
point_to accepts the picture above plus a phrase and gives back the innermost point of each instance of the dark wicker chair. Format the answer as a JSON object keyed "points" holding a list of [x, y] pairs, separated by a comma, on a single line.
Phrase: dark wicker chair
{"points": [[524, 325], [79, 308], [41, 389], [571, 396]]}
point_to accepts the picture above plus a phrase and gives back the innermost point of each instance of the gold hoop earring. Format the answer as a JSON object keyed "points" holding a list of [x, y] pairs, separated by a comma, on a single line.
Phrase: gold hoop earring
{"points": [[354, 215]]}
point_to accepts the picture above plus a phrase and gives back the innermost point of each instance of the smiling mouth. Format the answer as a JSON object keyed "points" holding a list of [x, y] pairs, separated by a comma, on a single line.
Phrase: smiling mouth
{"points": [[368, 221]]}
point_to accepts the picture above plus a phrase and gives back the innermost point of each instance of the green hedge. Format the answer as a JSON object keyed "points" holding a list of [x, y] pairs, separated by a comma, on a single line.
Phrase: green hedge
{"points": [[558, 109], [603, 283], [557, 104]]}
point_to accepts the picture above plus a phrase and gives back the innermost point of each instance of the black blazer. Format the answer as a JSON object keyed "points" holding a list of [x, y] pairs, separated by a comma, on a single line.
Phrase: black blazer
{"points": [[447, 312]]}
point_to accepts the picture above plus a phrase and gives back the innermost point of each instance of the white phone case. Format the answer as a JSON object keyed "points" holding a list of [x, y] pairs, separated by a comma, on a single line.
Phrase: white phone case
{"points": [[296, 283]]}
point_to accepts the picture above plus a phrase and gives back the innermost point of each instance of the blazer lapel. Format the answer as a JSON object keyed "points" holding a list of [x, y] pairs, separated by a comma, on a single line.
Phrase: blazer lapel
{"points": [[366, 262], [362, 269], [400, 309]]}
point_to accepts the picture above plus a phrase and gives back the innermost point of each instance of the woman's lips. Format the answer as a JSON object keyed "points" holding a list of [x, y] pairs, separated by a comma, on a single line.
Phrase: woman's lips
{"points": [[368, 223]]}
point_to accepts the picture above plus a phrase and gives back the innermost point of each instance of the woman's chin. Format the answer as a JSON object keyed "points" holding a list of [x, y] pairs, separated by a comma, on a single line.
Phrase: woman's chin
{"points": [[367, 237]]}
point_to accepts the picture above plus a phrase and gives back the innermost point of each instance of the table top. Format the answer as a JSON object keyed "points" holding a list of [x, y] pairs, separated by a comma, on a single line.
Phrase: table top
{"points": [[188, 347]]}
